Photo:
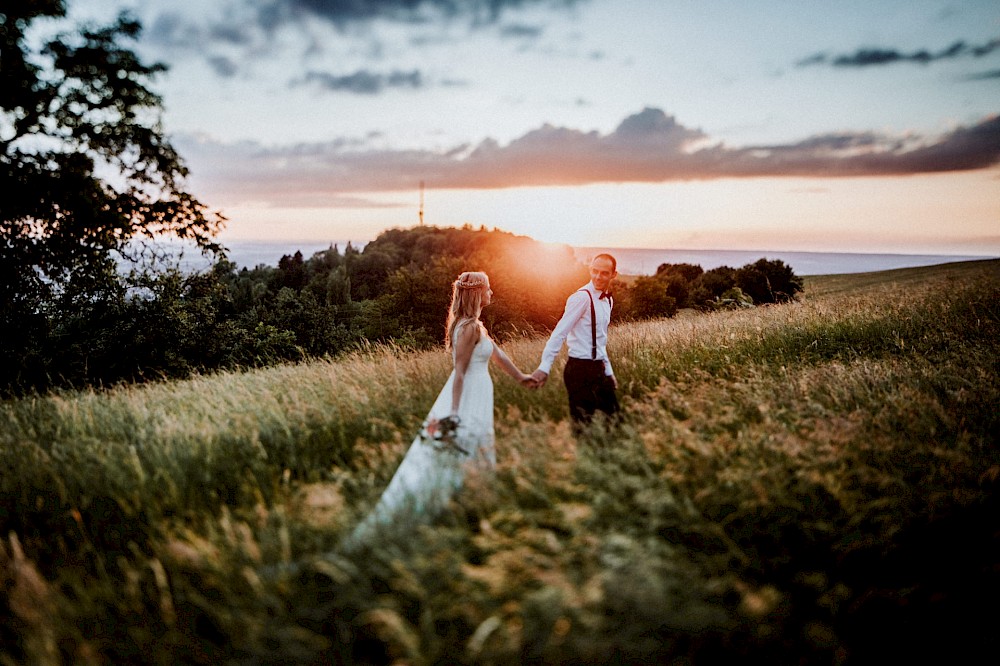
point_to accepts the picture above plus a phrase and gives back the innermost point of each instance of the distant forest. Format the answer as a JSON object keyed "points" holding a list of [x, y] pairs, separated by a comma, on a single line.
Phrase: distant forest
{"points": [[170, 324]]}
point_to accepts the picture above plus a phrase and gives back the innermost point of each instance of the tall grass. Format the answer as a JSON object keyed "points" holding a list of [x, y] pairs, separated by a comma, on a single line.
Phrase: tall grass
{"points": [[812, 482]]}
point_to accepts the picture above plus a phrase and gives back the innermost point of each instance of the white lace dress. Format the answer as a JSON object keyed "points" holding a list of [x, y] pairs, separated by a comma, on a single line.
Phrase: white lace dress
{"points": [[429, 475]]}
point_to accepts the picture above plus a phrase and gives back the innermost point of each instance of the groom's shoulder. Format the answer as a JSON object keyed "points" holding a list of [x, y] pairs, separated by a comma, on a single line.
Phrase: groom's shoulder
{"points": [[577, 299]]}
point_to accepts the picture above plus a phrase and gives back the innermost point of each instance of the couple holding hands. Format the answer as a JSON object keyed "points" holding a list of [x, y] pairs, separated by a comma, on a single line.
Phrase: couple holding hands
{"points": [[589, 378], [459, 427]]}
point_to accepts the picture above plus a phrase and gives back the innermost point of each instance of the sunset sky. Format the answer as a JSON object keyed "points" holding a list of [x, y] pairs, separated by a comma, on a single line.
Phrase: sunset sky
{"points": [[857, 126]]}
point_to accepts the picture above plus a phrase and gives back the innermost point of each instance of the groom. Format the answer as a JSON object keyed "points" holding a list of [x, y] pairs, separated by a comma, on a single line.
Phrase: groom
{"points": [[590, 381]]}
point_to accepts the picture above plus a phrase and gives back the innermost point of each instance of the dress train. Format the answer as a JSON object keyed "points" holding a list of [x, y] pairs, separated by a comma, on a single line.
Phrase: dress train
{"points": [[430, 472]]}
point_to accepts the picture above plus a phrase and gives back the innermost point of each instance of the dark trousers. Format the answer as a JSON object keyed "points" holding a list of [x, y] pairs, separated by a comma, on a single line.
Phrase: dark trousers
{"points": [[589, 389]]}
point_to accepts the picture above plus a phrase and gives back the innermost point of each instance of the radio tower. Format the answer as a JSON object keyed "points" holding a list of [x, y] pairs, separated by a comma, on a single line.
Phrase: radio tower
{"points": [[421, 203]]}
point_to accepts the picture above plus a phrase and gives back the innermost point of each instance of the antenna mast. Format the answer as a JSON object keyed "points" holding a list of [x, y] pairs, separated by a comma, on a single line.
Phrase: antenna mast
{"points": [[421, 203]]}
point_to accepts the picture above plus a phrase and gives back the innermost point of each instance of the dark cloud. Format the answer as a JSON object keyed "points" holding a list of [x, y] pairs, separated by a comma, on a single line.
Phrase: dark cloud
{"points": [[869, 57], [364, 82], [989, 47], [866, 154], [238, 35], [223, 66], [172, 31], [250, 28], [350, 14], [984, 76], [345, 12], [649, 146], [828, 144], [653, 125], [816, 59], [520, 31]]}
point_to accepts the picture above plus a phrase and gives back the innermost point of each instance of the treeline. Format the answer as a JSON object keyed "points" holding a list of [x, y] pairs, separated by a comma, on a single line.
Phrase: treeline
{"points": [[676, 286], [171, 323]]}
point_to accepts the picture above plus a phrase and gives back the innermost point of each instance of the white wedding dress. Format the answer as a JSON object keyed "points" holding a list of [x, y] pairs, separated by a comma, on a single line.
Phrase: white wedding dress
{"points": [[429, 474]]}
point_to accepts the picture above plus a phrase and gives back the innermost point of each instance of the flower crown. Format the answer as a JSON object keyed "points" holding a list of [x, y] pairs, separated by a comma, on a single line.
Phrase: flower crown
{"points": [[470, 283]]}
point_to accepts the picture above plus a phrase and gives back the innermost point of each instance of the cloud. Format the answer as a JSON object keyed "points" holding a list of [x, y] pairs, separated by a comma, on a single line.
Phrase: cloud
{"points": [[222, 66], [869, 57], [649, 146], [175, 34], [983, 76], [171, 31], [364, 82], [345, 12], [231, 34], [815, 59], [521, 31]]}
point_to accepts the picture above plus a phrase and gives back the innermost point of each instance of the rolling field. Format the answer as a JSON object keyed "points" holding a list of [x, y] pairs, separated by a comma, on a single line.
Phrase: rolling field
{"points": [[811, 483]]}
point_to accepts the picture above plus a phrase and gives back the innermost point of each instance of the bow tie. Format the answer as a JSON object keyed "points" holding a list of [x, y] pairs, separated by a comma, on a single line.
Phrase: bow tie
{"points": [[605, 294]]}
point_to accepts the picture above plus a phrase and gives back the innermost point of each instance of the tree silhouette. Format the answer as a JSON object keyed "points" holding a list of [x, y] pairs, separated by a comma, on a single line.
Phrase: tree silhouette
{"points": [[768, 281], [649, 298], [87, 174], [85, 166]]}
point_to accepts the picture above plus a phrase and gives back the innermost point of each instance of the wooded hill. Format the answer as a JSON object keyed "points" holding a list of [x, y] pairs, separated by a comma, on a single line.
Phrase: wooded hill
{"points": [[170, 323]]}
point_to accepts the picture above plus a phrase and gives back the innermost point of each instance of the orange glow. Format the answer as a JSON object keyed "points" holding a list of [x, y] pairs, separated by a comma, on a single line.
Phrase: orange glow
{"points": [[943, 213]]}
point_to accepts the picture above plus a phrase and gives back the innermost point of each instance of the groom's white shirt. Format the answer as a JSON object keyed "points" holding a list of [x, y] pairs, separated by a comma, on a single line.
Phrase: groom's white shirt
{"points": [[574, 329]]}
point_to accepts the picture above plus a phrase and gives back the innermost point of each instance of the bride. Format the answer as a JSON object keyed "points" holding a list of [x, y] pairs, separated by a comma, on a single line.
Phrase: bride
{"points": [[458, 431]]}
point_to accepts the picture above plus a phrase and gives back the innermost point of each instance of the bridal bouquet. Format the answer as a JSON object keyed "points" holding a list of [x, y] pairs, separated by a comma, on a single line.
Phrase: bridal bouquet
{"points": [[442, 434]]}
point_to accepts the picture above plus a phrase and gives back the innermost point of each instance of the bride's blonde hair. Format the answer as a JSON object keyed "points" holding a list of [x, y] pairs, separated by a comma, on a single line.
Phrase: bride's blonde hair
{"points": [[466, 301]]}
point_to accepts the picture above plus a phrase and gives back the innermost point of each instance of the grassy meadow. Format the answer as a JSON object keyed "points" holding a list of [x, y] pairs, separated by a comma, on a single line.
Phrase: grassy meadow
{"points": [[810, 483]]}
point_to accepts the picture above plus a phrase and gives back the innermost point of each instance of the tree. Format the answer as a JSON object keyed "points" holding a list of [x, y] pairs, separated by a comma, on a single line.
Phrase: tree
{"points": [[87, 174], [649, 298], [710, 285], [72, 111], [418, 295], [291, 272], [732, 299], [689, 272], [769, 281]]}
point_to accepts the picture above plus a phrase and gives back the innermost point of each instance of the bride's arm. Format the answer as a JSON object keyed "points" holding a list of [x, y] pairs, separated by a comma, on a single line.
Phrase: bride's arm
{"points": [[508, 365], [466, 338]]}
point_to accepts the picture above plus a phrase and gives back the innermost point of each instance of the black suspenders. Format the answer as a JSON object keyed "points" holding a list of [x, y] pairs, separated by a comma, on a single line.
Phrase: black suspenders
{"points": [[593, 326]]}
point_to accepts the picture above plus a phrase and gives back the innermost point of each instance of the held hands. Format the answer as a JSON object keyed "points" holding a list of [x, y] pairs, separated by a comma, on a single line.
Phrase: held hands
{"points": [[539, 378], [533, 381]]}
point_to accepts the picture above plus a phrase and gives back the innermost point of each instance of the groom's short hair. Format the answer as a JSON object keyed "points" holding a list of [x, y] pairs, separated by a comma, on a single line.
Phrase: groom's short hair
{"points": [[605, 255]]}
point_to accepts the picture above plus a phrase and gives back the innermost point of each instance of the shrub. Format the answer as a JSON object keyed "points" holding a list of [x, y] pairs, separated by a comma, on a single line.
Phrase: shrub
{"points": [[649, 298], [768, 281]]}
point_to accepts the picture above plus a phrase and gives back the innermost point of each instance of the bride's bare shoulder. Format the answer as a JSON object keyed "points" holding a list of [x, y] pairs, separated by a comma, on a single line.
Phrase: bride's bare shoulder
{"points": [[468, 330]]}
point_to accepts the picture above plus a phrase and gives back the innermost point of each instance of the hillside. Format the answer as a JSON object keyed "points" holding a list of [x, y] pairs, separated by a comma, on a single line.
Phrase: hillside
{"points": [[813, 482]]}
